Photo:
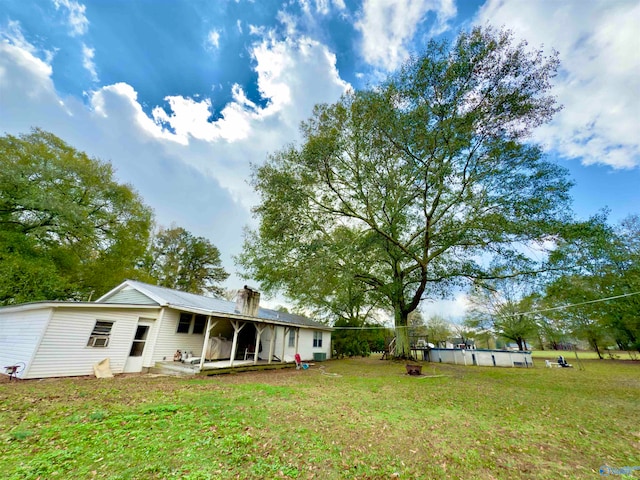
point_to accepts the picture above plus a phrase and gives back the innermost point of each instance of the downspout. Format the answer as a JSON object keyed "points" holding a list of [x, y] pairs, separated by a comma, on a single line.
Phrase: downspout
{"points": [[284, 339], [156, 334], [272, 342]]}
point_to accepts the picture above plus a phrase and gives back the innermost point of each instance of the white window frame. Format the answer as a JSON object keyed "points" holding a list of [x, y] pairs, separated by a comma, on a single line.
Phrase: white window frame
{"points": [[192, 323], [203, 318], [317, 339], [101, 334], [190, 326], [292, 338]]}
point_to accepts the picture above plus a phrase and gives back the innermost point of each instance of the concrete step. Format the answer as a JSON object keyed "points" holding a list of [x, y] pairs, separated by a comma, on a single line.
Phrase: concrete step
{"points": [[177, 369]]}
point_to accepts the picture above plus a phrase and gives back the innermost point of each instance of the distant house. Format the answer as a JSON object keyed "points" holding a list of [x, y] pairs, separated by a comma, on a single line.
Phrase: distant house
{"points": [[136, 326]]}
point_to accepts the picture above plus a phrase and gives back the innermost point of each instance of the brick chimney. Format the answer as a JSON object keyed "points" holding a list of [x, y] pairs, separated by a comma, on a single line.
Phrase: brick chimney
{"points": [[248, 302]]}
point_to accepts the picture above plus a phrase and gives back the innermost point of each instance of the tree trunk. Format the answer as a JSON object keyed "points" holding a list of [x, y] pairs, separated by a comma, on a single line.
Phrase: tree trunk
{"points": [[403, 348], [594, 344]]}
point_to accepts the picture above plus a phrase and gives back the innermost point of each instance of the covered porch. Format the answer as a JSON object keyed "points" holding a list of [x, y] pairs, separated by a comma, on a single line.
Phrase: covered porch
{"points": [[230, 342]]}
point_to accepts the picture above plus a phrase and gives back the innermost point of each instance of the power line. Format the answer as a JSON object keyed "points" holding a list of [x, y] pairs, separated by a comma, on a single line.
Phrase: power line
{"points": [[562, 307], [574, 304]]}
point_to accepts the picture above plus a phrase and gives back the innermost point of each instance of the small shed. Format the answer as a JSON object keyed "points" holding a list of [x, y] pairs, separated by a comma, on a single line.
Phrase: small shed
{"points": [[138, 325]]}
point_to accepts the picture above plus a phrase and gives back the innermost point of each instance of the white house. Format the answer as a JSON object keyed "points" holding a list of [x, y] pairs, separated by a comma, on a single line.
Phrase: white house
{"points": [[137, 325]]}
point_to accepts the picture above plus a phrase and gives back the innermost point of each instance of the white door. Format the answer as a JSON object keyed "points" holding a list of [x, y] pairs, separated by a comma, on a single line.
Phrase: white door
{"points": [[136, 354]]}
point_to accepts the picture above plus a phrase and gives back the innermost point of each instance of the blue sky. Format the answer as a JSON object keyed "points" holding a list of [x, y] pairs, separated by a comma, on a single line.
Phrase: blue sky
{"points": [[182, 96]]}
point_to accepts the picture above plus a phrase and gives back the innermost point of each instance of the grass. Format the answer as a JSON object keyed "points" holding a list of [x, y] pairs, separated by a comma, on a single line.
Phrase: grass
{"points": [[352, 418]]}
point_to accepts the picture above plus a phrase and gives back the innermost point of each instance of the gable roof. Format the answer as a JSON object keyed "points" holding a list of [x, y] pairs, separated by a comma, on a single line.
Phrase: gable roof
{"points": [[176, 299]]}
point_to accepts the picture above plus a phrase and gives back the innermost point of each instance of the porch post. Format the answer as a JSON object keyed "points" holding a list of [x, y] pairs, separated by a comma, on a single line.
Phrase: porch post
{"points": [[207, 334], [256, 349], [284, 339], [297, 337], [272, 341], [237, 326]]}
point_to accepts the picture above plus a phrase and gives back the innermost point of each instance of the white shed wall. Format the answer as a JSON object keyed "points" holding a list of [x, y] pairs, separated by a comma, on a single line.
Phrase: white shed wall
{"points": [[20, 334], [483, 358], [64, 351]]}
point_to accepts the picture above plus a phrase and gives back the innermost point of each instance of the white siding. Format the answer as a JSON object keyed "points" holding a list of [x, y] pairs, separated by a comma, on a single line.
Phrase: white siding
{"points": [[130, 296], [64, 351], [168, 341], [20, 334], [305, 344]]}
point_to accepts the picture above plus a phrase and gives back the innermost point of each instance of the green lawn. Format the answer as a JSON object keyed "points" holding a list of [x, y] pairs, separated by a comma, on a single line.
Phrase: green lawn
{"points": [[353, 418]]}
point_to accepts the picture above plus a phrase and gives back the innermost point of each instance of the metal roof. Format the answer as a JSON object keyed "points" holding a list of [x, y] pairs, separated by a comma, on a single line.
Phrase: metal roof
{"points": [[176, 299]]}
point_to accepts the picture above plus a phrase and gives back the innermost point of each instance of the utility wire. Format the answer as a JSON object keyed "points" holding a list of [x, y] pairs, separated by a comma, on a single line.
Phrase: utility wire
{"points": [[573, 304], [562, 307]]}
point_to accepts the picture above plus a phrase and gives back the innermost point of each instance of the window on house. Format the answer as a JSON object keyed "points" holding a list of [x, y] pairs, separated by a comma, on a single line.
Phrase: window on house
{"points": [[100, 334], [185, 322], [292, 338], [139, 340], [317, 339], [199, 322]]}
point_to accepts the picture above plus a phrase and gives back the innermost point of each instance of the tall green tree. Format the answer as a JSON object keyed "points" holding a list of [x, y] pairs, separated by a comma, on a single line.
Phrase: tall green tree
{"points": [[438, 330], [178, 259], [68, 229], [601, 290], [504, 311], [338, 297], [431, 173]]}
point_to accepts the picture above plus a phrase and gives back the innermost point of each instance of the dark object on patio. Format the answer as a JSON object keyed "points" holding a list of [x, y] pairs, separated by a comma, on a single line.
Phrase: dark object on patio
{"points": [[414, 369]]}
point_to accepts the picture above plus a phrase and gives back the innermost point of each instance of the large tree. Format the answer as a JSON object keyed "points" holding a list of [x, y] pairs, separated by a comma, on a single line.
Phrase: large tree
{"points": [[505, 310], [178, 259], [68, 229], [600, 295], [430, 172], [438, 330]]}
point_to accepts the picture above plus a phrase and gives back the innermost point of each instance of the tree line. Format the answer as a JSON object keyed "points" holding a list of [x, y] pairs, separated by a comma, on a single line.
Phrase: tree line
{"points": [[70, 231]]}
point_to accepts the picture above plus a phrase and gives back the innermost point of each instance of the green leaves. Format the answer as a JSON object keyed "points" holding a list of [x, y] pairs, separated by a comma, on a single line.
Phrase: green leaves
{"points": [[177, 259], [429, 173], [67, 227]]}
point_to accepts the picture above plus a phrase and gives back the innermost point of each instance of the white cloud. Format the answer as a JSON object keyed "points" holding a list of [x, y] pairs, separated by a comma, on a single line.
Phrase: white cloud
{"points": [[88, 63], [599, 79], [214, 39], [24, 80], [452, 309], [389, 26], [77, 19], [12, 34], [256, 30], [321, 7], [192, 171], [287, 71]]}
